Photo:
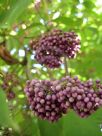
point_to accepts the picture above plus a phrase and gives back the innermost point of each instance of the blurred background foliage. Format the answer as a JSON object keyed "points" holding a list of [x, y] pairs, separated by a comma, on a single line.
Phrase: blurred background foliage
{"points": [[20, 21]]}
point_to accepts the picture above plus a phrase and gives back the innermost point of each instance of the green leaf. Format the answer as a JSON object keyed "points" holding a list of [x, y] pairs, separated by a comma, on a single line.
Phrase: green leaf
{"points": [[74, 125], [16, 9], [5, 119], [4, 111], [30, 127], [50, 129]]}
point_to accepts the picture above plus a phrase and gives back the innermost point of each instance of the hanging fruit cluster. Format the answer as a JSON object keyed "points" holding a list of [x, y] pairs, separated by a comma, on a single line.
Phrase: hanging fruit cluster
{"points": [[49, 100], [9, 82], [53, 45]]}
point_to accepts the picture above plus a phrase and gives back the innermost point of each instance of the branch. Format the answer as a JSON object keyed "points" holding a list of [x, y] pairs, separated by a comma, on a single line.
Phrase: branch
{"points": [[7, 57]]}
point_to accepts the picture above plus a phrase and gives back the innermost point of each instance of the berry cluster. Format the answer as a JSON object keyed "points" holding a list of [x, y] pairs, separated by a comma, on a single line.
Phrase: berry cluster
{"points": [[9, 81], [44, 101], [83, 97], [54, 45], [51, 99]]}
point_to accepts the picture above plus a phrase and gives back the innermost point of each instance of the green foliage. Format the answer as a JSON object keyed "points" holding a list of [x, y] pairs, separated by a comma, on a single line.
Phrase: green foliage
{"points": [[4, 111], [5, 118], [19, 22]]}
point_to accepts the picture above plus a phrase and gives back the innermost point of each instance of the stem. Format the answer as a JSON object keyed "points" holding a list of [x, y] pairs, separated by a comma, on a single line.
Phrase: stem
{"points": [[46, 11], [2, 74], [46, 8], [50, 73], [27, 67], [66, 66], [27, 71], [45, 24]]}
